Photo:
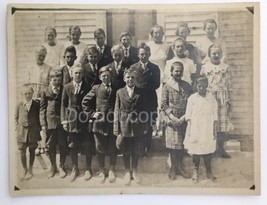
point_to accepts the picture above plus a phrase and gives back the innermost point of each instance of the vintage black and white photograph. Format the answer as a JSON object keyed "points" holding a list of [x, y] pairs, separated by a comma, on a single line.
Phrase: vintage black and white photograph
{"points": [[129, 99]]}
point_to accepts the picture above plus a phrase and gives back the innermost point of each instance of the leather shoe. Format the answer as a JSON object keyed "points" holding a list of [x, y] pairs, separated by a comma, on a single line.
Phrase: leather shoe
{"points": [[87, 175], [127, 178], [111, 176], [74, 173], [62, 171]]}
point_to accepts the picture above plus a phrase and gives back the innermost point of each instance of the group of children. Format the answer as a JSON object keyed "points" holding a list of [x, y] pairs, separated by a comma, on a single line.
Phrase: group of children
{"points": [[105, 100]]}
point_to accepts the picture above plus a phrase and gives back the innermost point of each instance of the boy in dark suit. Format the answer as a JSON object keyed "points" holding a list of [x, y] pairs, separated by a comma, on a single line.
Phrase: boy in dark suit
{"points": [[117, 67], [104, 96], [27, 128], [104, 50], [50, 121], [129, 127], [130, 52], [70, 57], [148, 78], [90, 66], [75, 122]]}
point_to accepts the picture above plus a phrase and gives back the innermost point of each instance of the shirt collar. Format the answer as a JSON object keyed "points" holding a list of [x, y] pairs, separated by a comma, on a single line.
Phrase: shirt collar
{"points": [[126, 47], [80, 84], [130, 88], [143, 64], [118, 63], [107, 84], [102, 47], [27, 102]]}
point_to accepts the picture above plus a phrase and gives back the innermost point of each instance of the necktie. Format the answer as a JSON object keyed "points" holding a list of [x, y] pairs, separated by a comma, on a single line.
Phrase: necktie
{"points": [[55, 90], [76, 89], [94, 68], [117, 68], [108, 89], [130, 92], [126, 52]]}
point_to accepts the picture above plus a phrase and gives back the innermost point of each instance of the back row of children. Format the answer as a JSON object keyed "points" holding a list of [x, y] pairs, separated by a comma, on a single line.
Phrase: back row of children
{"points": [[91, 88]]}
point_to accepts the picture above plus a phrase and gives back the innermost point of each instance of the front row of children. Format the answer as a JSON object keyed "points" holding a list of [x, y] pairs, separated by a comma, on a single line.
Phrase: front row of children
{"points": [[119, 123]]}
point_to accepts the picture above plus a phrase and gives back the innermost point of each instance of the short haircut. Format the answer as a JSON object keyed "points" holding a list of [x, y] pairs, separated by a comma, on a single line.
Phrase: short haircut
{"points": [[177, 63], [117, 47], [98, 32], [41, 49], [144, 46], [55, 73], [27, 87], [202, 78], [123, 34], [50, 29], [104, 69], [181, 24], [70, 49], [179, 39], [88, 51], [209, 21], [78, 66], [129, 71], [75, 28], [156, 27], [214, 46]]}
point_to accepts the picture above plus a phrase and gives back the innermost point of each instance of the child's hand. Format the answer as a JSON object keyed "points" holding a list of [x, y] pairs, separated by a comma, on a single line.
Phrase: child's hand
{"points": [[97, 115], [44, 128], [215, 130], [228, 106]]}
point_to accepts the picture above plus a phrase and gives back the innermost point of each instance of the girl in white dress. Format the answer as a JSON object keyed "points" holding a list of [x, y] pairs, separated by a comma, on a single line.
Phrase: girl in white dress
{"points": [[201, 116], [55, 54]]}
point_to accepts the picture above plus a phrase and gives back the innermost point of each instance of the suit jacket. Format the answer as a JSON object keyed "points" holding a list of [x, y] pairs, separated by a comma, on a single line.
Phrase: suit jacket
{"points": [[105, 58], [27, 122], [91, 77], [149, 79], [71, 108], [65, 75], [117, 78], [50, 108], [133, 57], [127, 119], [104, 103]]}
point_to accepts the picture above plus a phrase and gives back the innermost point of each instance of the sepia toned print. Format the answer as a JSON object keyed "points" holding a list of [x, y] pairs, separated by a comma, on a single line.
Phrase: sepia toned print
{"points": [[120, 99]]}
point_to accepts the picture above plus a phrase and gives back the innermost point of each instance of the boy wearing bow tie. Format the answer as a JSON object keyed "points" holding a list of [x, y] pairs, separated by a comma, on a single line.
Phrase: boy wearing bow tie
{"points": [[51, 124], [28, 129], [104, 50], [75, 122], [103, 96]]}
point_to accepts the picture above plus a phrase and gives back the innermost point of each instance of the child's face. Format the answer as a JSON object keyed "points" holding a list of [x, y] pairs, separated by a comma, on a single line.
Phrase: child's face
{"points": [[100, 40], [27, 94], [215, 55], [75, 36], [70, 58], [179, 48], [93, 58], [40, 57], [126, 41], [55, 81], [130, 79], [183, 32], [202, 88], [157, 35], [210, 29], [117, 55], [77, 74], [50, 37], [105, 77], [177, 73], [143, 55]]}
